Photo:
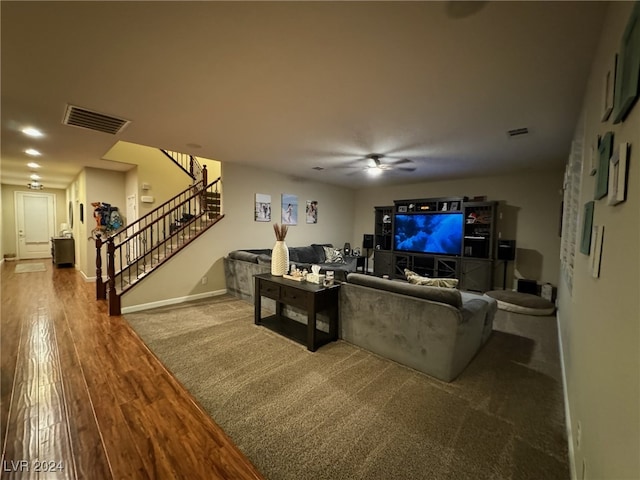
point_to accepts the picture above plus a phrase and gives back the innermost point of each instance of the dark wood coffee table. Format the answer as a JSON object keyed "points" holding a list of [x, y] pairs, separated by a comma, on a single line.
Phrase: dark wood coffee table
{"points": [[307, 296]]}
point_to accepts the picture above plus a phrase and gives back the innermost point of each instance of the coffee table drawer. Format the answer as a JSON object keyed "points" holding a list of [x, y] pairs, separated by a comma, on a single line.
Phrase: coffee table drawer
{"points": [[294, 297], [270, 290]]}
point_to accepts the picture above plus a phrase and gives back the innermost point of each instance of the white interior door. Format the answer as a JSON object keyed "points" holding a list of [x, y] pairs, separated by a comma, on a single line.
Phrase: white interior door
{"points": [[35, 224]]}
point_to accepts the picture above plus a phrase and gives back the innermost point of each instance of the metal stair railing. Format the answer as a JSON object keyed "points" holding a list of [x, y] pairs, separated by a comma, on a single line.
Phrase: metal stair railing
{"points": [[188, 163], [137, 249]]}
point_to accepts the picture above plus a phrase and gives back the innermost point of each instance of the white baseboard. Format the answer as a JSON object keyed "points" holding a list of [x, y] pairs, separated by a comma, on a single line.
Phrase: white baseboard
{"points": [[567, 408], [87, 279], [171, 301]]}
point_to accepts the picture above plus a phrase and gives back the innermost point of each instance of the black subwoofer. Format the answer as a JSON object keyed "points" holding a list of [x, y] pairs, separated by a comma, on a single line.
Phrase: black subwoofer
{"points": [[506, 250]]}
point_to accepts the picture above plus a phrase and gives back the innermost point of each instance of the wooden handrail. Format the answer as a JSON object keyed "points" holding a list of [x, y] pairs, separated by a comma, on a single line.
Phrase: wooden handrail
{"points": [[160, 207], [179, 164], [189, 189]]}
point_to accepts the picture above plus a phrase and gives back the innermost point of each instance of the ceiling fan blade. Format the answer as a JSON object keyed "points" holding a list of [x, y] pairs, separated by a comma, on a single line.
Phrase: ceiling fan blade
{"points": [[406, 169], [400, 162]]}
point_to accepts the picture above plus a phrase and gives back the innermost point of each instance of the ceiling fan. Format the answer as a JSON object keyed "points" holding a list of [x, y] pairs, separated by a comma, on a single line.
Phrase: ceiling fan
{"points": [[375, 166]]}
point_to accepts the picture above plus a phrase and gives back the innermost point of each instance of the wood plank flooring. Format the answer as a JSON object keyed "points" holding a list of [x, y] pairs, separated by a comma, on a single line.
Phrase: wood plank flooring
{"points": [[81, 397]]}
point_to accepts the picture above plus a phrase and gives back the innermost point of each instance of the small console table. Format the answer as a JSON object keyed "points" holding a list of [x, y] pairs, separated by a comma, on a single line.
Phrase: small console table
{"points": [[63, 251], [307, 296]]}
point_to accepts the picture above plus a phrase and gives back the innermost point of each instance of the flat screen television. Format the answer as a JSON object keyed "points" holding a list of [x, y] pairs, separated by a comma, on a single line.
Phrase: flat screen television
{"points": [[433, 232]]}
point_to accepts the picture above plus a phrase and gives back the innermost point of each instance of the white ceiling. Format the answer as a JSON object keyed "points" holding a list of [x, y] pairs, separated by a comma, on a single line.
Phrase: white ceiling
{"points": [[290, 86]]}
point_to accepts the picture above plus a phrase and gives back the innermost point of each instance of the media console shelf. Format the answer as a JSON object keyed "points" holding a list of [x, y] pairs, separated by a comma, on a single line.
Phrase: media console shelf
{"points": [[473, 265]]}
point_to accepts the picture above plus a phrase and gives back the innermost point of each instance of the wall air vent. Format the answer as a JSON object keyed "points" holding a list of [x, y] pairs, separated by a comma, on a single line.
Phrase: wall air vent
{"points": [[83, 118], [517, 132]]}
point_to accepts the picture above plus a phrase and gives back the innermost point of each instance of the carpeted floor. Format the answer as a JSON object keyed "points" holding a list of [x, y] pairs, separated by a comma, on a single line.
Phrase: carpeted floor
{"points": [[30, 267], [343, 413]]}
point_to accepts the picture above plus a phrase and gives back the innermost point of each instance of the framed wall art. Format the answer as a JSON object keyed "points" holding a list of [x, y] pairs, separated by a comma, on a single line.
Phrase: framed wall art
{"points": [[289, 209], [312, 211], [263, 208], [628, 69], [604, 154], [618, 175], [596, 250], [609, 90], [587, 225], [593, 157]]}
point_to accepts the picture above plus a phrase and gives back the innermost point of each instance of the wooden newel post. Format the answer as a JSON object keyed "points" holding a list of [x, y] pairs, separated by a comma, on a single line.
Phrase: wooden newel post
{"points": [[101, 288], [205, 181], [191, 165], [114, 299]]}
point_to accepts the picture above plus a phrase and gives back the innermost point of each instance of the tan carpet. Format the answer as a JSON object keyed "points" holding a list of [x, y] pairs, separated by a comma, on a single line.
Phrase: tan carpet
{"points": [[343, 413]]}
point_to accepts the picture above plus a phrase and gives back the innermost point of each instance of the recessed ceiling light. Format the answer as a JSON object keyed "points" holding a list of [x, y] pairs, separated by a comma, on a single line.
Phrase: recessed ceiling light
{"points": [[33, 152], [33, 165], [32, 132], [35, 176]]}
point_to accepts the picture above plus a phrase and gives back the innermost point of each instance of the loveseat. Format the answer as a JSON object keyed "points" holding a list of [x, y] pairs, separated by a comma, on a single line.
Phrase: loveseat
{"points": [[435, 330], [241, 265]]}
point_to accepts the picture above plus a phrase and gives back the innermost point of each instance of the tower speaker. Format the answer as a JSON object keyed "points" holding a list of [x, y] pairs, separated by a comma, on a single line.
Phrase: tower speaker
{"points": [[367, 241], [506, 249]]}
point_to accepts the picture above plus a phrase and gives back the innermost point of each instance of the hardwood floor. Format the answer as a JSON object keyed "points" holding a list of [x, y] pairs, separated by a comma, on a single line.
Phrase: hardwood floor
{"points": [[82, 397]]}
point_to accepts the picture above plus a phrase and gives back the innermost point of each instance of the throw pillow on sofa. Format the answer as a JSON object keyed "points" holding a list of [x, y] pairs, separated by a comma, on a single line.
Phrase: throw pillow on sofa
{"points": [[413, 277], [333, 255]]}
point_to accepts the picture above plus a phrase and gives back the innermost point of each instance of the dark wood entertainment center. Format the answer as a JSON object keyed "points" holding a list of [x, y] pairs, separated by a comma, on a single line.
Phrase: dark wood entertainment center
{"points": [[473, 266]]}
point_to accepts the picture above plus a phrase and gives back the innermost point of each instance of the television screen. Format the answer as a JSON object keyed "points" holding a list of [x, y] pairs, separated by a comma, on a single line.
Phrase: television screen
{"points": [[436, 232]]}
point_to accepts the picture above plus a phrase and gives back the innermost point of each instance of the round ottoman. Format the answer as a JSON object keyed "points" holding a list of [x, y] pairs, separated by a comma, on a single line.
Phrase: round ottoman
{"points": [[518, 302]]}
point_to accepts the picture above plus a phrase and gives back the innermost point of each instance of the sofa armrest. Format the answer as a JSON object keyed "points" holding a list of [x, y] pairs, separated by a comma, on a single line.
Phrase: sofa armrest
{"points": [[473, 307]]}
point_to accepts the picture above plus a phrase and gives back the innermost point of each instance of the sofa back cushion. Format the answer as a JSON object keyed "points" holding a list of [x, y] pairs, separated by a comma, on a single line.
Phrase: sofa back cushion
{"points": [[435, 294], [304, 255], [319, 249], [250, 256]]}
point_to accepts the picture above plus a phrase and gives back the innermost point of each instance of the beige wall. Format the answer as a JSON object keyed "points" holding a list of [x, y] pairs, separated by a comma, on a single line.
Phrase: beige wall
{"points": [[529, 207], [9, 214], [154, 168], [95, 185], [182, 276], [1, 227], [600, 318]]}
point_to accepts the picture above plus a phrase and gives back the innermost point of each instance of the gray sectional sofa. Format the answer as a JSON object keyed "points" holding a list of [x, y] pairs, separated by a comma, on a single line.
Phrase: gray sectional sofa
{"points": [[434, 330], [241, 265]]}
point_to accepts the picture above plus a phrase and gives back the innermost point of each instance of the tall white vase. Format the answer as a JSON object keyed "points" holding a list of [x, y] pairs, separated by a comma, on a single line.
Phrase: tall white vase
{"points": [[279, 259]]}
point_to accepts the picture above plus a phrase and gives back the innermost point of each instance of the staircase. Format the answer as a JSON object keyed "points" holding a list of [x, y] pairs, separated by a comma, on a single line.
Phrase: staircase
{"points": [[138, 249]]}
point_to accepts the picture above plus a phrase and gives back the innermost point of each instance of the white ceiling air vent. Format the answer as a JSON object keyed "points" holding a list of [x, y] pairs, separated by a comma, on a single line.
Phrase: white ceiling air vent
{"points": [[83, 118], [517, 132]]}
